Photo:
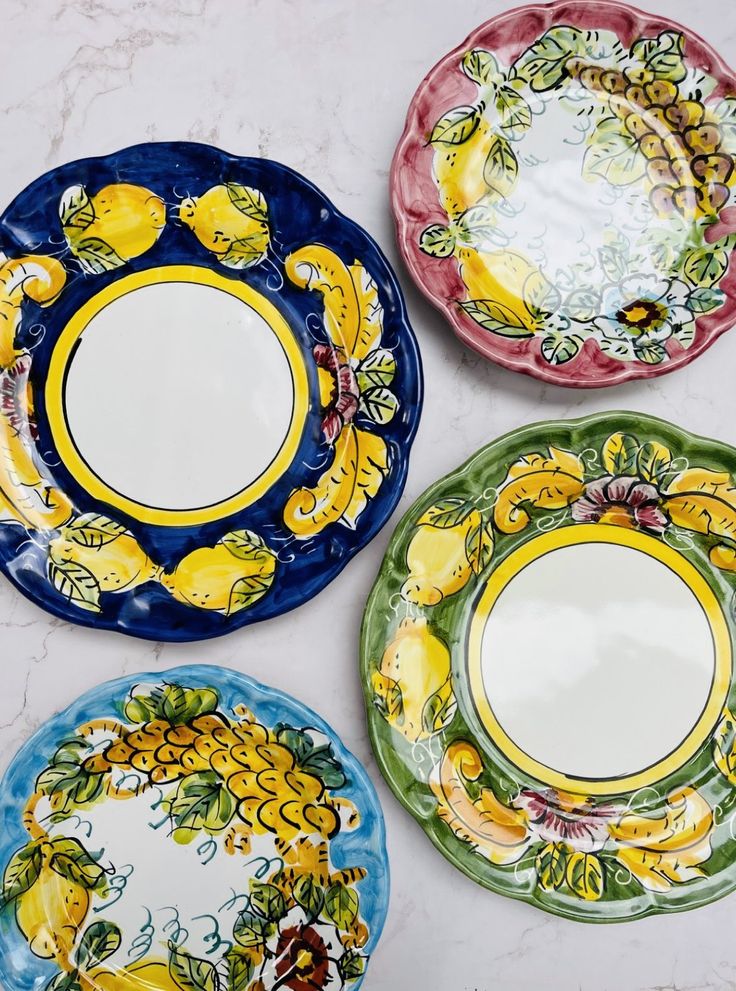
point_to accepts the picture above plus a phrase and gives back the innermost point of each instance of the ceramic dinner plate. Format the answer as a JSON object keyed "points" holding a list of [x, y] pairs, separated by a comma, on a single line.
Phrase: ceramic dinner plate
{"points": [[547, 660], [208, 391], [189, 830], [564, 192]]}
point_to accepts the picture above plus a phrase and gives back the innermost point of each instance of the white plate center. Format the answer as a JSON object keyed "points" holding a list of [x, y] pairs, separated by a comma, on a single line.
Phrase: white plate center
{"points": [[178, 395], [597, 660]]}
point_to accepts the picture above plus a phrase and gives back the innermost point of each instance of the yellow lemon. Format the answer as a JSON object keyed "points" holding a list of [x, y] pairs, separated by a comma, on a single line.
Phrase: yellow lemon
{"points": [[498, 276], [438, 562], [148, 975], [51, 913], [458, 170], [418, 664], [118, 564], [120, 222], [231, 221], [206, 578]]}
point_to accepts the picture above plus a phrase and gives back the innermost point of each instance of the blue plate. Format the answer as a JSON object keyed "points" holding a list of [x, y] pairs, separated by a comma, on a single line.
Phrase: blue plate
{"points": [[85, 235], [184, 831]]}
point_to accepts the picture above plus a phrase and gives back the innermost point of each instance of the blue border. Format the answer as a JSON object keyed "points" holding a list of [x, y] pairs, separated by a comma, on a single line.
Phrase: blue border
{"points": [[299, 214], [20, 970]]}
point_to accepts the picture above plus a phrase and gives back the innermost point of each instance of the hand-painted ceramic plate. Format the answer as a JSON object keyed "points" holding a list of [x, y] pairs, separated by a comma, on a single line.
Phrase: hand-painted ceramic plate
{"points": [[189, 831], [208, 391], [547, 660], [564, 192]]}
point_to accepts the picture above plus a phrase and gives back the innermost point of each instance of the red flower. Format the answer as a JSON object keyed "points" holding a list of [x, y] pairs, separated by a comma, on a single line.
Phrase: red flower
{"points": [[302, 963], [622, 500], [338, 388]]}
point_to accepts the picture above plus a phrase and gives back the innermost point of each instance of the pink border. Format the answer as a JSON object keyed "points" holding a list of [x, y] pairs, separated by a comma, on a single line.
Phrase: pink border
{"points": [[415, 202]]}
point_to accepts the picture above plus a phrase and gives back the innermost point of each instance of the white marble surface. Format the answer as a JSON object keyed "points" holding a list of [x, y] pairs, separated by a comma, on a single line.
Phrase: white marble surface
{"points": [[323, 85]]}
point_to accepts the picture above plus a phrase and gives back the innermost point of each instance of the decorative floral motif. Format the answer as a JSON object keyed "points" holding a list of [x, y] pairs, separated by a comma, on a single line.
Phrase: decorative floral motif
{"points": [[220, 779], [641, 313], [623, 501]]}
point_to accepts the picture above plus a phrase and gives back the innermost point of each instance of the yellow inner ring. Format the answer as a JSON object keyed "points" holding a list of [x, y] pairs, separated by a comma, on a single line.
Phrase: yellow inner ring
{"points": [[590, 533], [55, 404]]}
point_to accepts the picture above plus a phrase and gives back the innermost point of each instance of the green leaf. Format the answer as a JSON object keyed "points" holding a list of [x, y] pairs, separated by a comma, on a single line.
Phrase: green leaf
{"points": [[480, 66], [581, 304], [64, 982], [69, 859], [378, 368], [323, 764], [248, 590], [92, 530], [201, 802], [189, 973], [478, 228], [496, 317], [585, 875], [446, 513], [249, 201], [514, 112], [67, 780], [437, 709], [252, 930], [174, 703], [298, 741], [245, 545], [456, 126], [99, 941], [614, 262], [550, 863], [685, 333], [558, 348], [663, 55], [544, 64], [379, 405], [620, 453], [650, 354], [501, 168], [341, 905], [351, 965], [267, 901], [21, 873], [540, 296], [96, 256], [437, 240], [705, 299], [246, 251], [705, 267], [240, 968], [309, 895], [72, 751], [613, 155], [75, 208], [653, 461], [479, 546], [76, 583]]}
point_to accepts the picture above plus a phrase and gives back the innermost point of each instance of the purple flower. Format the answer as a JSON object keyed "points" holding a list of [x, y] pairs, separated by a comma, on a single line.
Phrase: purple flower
{"points": [[338, 389], [622, 500]]}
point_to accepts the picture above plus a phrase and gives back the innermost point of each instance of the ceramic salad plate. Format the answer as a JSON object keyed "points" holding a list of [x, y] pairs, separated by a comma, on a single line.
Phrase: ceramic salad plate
{"points": [[208, 391], [547, 660], [564, 192], [188, 831]]}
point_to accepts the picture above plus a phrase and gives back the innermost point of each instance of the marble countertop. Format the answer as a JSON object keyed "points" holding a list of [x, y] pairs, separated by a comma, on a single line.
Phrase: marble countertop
{"points": [[323, 86]]}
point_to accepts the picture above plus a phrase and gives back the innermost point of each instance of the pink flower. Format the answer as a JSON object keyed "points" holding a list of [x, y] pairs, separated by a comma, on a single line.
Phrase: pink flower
{"points": [[559, 817], [338, 388], [622, 500]]}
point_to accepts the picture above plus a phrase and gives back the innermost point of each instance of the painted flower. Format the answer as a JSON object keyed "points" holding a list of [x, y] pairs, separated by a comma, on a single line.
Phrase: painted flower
{"points": [[560, 817], [302, 960], [641, 312], [622, 500], [339, 392]]}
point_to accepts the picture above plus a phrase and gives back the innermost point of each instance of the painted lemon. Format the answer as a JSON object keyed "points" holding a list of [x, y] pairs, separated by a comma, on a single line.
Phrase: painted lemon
{"points": [[231, 221], [118, 564], [51, 913], [500, 277], [228, 577], [413, 683], [120, 222], [438, 561], [458, 170], [148, 975]]}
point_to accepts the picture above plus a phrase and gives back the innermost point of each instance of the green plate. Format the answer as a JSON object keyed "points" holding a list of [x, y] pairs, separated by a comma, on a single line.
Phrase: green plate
{"points": [[547, 661]]}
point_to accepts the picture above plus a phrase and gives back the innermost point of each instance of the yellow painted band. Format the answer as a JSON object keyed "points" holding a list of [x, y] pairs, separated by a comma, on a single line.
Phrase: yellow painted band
{"points": [[55, 403], [600, 533]]}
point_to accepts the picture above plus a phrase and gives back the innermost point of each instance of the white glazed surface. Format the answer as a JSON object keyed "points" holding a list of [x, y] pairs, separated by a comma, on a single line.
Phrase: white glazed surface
{"points": [[323, 86]]}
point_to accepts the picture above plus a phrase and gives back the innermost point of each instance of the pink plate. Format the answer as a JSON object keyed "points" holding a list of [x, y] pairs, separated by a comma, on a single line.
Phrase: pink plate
{"points": [[565, 192]]}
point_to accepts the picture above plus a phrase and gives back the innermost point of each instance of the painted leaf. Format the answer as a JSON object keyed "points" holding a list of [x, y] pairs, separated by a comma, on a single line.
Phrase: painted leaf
{"points": [[341, 905], [446, 513], [496, 317], [613, 155], [377, 369], [669, 847], [379, 405], [344, 490], [437, 240], [92, 530], [478, 228], [455, 126], [68, 784], [619, 454], [705, 299], [248, 200], [439, 709], [536, 480], [584, 875], [544, 64], [551, 865], [267, 901], [501, 169], [684, 334], [582, 304], [245, 545], [70, 860], [323, 764], [479, 546], [705, 267], [96, 256], [387, 696], [724, 746], [201, 802], [75, 208], [351, 965], [76, 583], [252, 930], [247, 251], [99, 941], [541, 298], [248, 590], [21, 873], [614, 262], [240, 968], [703, 501], [663, 55], [480, 66], [514, 113], [650, 354], [559, 348], [309, 895], [189, 973]]}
